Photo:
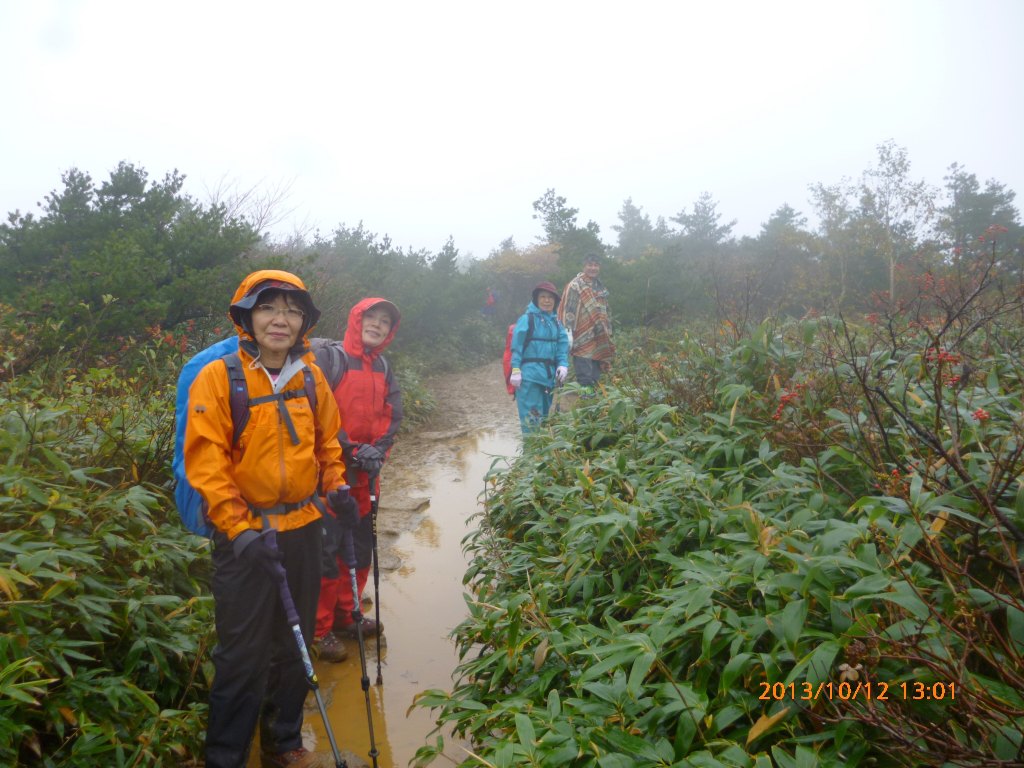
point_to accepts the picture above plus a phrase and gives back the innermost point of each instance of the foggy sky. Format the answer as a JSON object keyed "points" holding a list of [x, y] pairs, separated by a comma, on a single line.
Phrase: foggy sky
{"points": [[432, 119]]}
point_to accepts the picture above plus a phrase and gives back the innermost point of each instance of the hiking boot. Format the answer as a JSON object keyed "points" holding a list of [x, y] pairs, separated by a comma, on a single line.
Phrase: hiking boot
{"points": [[296, 758], [329, 648], [351, 630]]}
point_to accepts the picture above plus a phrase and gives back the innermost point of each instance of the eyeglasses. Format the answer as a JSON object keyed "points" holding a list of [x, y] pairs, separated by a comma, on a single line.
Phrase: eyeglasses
{"points": [[291, 315]]}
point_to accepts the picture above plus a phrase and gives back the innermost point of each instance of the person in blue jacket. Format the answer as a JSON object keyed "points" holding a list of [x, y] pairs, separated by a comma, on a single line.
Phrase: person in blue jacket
{"points": [[540, 356]]}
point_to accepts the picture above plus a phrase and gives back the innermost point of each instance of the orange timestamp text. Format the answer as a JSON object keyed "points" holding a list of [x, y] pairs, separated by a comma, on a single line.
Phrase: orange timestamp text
{"points": [[866, 691]]}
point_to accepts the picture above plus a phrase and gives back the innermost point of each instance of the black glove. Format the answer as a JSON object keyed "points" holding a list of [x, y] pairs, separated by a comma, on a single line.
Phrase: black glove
{"points": [[370, 466], [369, 458], [346, 509], [329, 553], [258, 555]]}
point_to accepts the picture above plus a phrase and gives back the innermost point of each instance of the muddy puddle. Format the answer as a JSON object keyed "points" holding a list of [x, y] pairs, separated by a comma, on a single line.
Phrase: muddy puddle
{"points": [[430, 487]]}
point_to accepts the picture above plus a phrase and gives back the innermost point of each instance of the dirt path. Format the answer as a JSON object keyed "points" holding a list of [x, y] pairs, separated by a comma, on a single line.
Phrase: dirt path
{"points": [[466, 404], [465, 401], [429, 489]]}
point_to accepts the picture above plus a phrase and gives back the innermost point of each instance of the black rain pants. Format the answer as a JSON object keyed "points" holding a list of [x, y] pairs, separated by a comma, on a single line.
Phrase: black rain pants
{"points": [[587, 371], [259, 675]]}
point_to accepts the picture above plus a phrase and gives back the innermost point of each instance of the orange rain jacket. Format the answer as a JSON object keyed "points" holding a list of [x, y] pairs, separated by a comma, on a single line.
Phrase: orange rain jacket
{"points": [[265, 469]]}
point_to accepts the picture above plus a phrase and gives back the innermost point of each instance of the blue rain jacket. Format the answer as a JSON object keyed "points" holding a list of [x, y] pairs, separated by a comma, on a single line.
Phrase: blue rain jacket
{"points": [[549, 343]]}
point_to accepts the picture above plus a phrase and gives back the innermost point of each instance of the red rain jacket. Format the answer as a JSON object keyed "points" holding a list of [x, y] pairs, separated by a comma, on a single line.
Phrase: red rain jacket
{"points": [[365, 389]]}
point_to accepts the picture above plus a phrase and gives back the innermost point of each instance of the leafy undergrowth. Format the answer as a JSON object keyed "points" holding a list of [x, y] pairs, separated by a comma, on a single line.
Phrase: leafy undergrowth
{"points": [[105, 615], [800, 547], [418, 402]]}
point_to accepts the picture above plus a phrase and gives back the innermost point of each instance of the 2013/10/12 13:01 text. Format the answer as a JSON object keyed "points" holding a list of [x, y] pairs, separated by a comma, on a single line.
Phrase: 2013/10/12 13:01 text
{"points": [[849, 692]]}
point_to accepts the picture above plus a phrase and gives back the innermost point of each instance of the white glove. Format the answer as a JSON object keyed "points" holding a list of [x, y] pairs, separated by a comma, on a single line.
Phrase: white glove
{"points": [[516, 379], [560, 373]]}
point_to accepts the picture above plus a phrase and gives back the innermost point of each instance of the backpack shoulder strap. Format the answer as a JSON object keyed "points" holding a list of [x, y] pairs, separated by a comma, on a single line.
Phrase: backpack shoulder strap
{"points": [[239, 395], [241, 404], [309, 383], [387, 366], [333, 361], [529, 332], [240, 390], [344, 363]]}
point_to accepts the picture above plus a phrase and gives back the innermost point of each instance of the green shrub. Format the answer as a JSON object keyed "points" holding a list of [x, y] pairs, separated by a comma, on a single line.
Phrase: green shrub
{"points": [[106, 619], [689, 570], [417, 401], [108, 262]]}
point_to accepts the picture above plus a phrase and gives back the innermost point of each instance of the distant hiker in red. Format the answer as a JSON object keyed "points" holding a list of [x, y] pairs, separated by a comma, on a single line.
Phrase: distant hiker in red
{"points": [[492, 296], [366, 391]]}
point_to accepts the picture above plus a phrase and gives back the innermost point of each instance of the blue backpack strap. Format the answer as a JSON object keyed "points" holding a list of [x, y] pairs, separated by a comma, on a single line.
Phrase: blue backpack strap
{"points": [[239, 395]]}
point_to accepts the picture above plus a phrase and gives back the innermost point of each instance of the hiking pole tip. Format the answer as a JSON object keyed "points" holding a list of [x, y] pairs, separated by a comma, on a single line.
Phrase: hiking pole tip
{"points": [[349, 556]]}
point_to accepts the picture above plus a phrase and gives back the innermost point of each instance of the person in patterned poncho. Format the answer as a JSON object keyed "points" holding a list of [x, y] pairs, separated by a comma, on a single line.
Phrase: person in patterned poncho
{"points": [[585, 314]]}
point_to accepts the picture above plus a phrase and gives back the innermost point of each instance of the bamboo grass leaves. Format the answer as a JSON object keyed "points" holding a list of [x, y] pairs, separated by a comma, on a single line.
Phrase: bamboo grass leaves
{"points": [[657, 582]]}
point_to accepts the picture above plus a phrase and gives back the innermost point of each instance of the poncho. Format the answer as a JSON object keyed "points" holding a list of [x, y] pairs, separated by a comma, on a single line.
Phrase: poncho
{"points": [[584, 311]]}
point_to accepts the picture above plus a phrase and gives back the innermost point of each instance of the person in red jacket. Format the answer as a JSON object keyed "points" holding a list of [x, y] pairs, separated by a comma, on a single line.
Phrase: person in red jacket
{"points": [[366, 391]]}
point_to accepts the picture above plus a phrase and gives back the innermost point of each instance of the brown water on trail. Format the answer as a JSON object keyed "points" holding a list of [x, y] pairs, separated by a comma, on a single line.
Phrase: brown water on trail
{"points": [[421, 593]]}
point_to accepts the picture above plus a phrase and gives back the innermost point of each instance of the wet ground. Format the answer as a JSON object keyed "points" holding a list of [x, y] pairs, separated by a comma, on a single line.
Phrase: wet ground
{"points": [[429, 488]]}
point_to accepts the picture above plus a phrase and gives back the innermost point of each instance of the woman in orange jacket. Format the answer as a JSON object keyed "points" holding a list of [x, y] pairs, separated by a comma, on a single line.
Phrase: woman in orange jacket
{"points": [[254, 474]]}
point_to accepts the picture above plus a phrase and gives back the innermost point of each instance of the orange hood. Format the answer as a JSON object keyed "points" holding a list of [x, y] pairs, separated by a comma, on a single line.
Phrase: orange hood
{"points": [[250, 289]]}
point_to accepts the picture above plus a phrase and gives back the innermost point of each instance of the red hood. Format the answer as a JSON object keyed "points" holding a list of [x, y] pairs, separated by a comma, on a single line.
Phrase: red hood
{"points": [[354, 333]]}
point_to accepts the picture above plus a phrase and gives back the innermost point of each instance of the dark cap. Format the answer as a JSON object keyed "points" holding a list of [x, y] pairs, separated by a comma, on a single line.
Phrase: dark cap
{"points": [[591, 258], [241, 307]]}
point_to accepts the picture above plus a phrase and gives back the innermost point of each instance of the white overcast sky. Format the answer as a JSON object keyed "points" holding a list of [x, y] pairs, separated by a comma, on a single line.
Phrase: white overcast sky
{"points": [[425, 119]]}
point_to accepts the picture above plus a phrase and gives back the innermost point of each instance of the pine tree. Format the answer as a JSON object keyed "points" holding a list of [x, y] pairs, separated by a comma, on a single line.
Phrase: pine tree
{"points": [[445, 262], [637, 235], [701, 230]]}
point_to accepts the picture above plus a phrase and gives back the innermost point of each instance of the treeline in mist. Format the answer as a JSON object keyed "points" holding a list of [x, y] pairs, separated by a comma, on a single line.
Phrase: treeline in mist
{"points": [[104, 265], [868, 233]]}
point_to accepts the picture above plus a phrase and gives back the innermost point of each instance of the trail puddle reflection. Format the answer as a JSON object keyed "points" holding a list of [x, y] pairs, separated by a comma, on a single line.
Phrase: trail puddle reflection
{"points": [[421, 603]]}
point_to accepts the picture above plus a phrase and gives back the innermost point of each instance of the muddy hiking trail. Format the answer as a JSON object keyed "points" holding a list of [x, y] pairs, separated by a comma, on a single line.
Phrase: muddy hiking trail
{"points": [[429, 487]]}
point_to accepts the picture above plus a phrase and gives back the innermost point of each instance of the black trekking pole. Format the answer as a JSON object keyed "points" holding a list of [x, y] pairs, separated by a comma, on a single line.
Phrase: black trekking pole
{"points": [[270, 535], [374, 501], [348, 554]]}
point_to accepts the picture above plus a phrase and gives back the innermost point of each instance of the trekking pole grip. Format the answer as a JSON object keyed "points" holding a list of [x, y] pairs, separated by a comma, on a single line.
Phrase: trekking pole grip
{"points": [[348, 547], [286, 593]]}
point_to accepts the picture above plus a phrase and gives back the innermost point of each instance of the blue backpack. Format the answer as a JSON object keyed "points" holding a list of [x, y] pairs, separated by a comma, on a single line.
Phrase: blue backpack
{"points": [[190, 503]]}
